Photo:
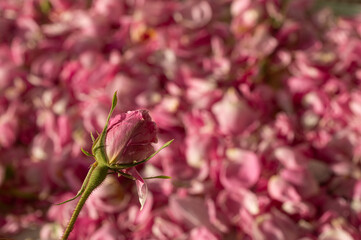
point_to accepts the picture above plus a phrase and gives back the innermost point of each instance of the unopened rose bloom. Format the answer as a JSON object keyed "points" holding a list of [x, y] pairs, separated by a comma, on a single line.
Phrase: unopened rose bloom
{"points": [[129, 137], [125, 142]]}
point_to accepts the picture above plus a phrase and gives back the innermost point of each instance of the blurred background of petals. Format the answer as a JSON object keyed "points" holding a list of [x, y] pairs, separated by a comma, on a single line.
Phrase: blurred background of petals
{"points": [[262, 98]]}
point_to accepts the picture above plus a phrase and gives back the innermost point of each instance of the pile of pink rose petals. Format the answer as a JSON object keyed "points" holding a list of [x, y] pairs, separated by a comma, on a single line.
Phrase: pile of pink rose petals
{"points": [[263, 99]]}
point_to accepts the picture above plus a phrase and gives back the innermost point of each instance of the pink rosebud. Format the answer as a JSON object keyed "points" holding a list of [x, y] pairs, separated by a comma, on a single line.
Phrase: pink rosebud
{"points": [[129, 137]]}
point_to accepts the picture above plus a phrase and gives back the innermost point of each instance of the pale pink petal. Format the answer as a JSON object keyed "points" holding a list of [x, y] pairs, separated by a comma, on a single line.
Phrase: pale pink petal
{"points": [[275, 225], [233, 113], [241, 170], [163, 229], [282, 190], [142, 188], [190, 210], [302, 179]]}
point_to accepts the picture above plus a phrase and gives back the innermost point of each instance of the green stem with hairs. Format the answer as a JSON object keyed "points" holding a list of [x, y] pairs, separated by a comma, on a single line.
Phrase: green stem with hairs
{"points": [[97, 176]]}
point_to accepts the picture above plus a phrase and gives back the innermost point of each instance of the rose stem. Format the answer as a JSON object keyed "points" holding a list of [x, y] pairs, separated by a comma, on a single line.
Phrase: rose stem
{"points": [[97, 177]]}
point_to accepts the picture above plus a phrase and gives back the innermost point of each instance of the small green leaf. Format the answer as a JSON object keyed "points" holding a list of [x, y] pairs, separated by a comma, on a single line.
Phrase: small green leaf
{"points": [[69, 200], [94, 147], [114, 103], [115, 100], [126, 175], [82, 189], [93, 139], [121, 166], [86, 153], [102, 135], [156, 152], [160, 176]]}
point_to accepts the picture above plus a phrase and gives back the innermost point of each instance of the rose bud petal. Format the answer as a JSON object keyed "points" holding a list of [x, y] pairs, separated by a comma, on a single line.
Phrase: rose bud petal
{"points": [[142, 188], [129, 137]]}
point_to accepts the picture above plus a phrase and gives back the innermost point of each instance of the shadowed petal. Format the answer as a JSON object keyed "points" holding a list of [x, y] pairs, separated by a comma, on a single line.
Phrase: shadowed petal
{"points": [[142, 188]]}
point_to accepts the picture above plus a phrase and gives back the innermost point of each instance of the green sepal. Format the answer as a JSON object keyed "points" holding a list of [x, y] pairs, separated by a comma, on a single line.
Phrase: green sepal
{"points": [[122, 166], [160, 176], [93, 139], [100, 141], [120, 173], [86, 153], [160, 149], [71, 199]]}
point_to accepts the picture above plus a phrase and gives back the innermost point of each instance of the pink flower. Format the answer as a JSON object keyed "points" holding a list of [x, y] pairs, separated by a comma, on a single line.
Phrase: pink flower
{"points": [[126, 141], [129, 137]]}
